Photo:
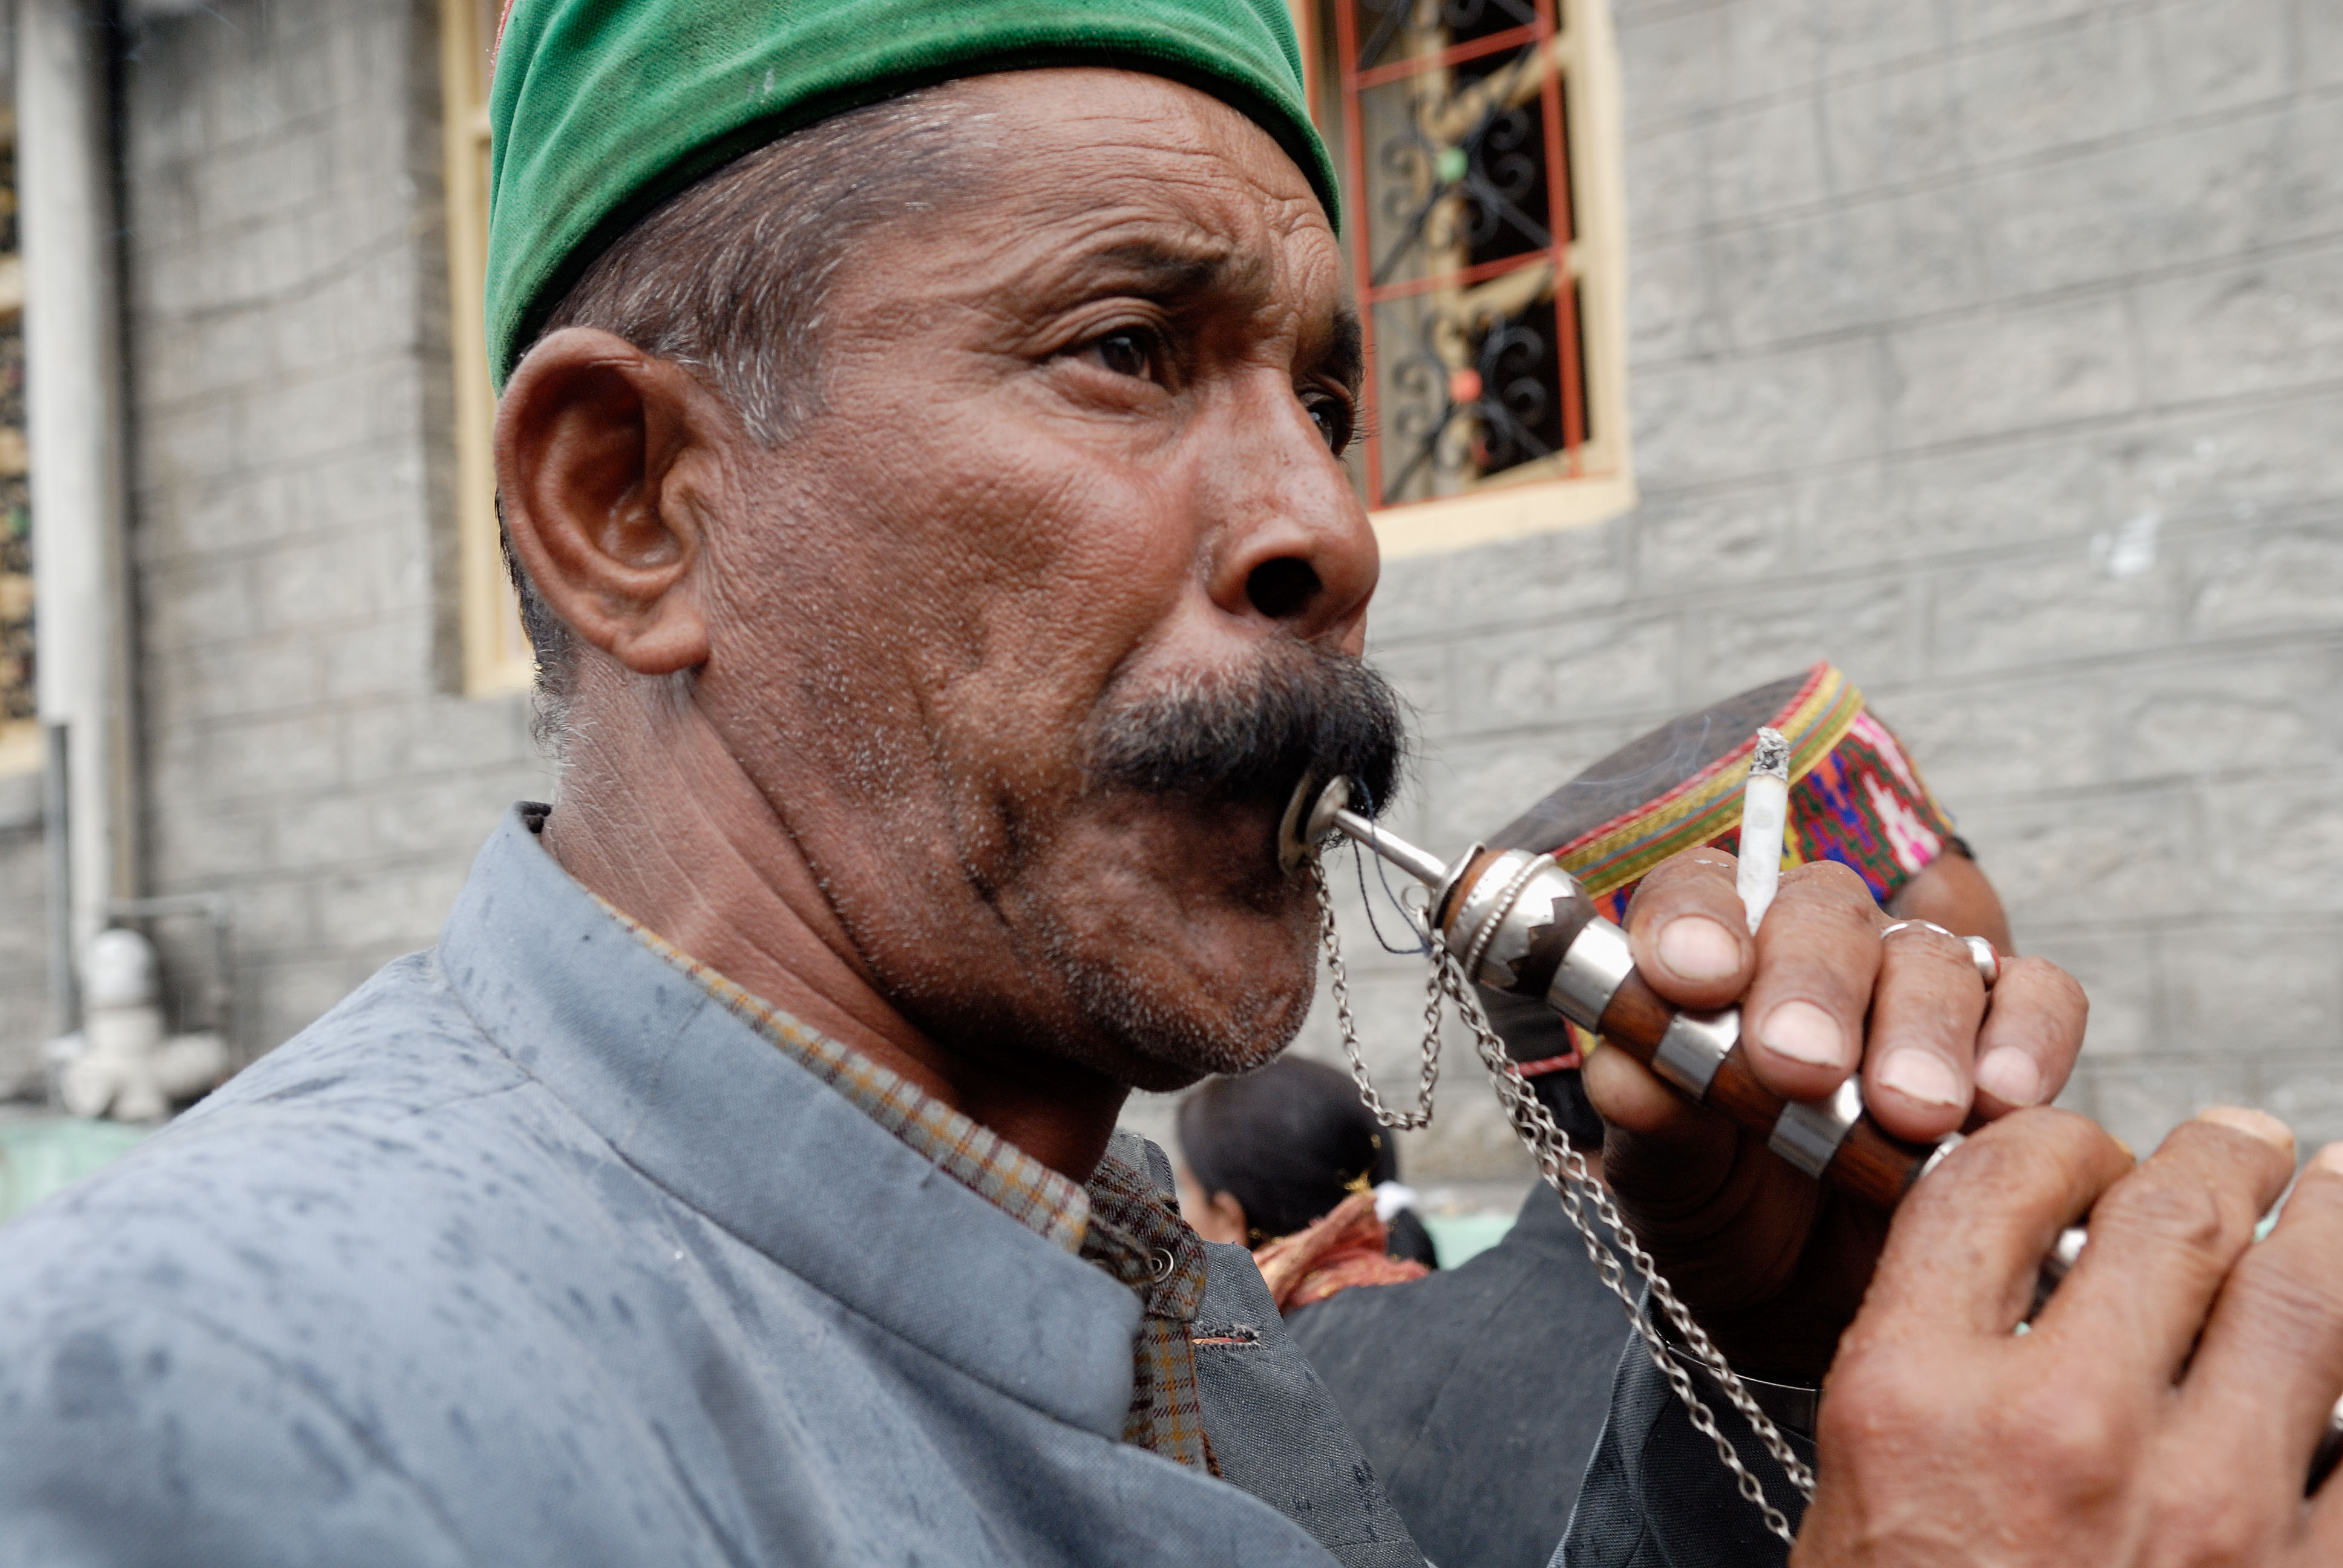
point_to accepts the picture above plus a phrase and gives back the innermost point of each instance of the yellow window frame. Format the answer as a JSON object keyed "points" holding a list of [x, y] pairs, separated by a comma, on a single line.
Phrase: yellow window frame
{"points": [[496, 657]]}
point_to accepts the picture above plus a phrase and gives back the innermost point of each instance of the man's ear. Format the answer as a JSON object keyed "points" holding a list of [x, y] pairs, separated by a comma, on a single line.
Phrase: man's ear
{"points": [[592, 436]]}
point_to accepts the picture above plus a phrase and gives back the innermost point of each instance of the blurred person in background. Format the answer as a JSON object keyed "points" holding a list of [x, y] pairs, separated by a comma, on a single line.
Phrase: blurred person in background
{"points": [[1481, 1395], [1286, 1151]]}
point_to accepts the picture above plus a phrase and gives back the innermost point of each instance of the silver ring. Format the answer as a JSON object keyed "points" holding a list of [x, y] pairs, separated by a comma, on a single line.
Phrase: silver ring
{"points": [[1981, 953], [1906, 925]]}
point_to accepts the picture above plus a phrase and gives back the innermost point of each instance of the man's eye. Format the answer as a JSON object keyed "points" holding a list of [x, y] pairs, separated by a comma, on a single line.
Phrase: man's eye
{"points": [[1131, 353], [1334, 419]]}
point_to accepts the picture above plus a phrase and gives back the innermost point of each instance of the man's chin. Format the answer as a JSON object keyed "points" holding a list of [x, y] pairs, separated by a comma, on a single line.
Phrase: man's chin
{"points": [[1181, 1012], [1164, 1064]]}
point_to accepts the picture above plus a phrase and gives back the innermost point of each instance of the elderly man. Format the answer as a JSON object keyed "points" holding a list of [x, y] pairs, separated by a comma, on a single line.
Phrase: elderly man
{"points": [[919, 440]]}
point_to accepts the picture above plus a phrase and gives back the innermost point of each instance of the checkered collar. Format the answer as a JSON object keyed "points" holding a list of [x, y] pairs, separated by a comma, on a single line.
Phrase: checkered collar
{"points": [[1125, 1221], [973, 1155]]}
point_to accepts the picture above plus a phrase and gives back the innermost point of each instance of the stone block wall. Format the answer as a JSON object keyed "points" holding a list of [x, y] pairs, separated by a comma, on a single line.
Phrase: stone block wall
{"points": [[1994, 350], [305, 751]]}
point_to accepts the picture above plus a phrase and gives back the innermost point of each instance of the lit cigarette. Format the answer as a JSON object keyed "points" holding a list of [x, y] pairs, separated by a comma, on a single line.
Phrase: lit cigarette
{"points": [[1765, 814]]}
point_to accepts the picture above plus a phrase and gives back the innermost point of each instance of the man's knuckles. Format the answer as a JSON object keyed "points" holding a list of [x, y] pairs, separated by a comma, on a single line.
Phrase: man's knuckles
{"points": [[2166, 1211], [2198, 1196], [1829, 882], [1937, 958], [2057, 996], [2193, 1524], [1828, 886], [1702, 869], [2042, 1165], [2284, 1303], [2075, 1431], [2073, 1434], [1699, 882], [1882, 1397]]}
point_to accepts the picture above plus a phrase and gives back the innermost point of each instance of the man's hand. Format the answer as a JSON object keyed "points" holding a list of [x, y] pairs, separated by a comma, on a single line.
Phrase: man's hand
{"points": [[1775, 1266], [2163, 1410]]}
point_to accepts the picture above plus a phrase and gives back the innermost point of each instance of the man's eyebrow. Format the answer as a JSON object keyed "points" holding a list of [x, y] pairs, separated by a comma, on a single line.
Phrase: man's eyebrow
{"points": [[1345, 357], [1162, 268], [1156, 267]]}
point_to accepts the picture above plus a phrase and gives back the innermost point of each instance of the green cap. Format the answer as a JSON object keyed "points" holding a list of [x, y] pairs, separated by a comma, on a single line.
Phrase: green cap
{"points": [[603, 108]]}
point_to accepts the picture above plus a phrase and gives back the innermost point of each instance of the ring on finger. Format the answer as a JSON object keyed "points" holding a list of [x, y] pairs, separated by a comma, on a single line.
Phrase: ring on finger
{"points": [[1981, 953]]}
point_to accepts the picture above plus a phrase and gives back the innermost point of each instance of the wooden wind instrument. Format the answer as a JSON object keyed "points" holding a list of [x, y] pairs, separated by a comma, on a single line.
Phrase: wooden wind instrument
{"points": [[1519, 923]]}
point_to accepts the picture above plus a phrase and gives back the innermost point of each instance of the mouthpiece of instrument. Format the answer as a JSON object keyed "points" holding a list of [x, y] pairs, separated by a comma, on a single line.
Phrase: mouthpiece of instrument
{"points": [[1310, 818]]}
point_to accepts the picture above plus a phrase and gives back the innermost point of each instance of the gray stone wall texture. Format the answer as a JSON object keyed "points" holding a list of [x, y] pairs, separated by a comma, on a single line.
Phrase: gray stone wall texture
{"points": [[305, 750], [1994, 350]]}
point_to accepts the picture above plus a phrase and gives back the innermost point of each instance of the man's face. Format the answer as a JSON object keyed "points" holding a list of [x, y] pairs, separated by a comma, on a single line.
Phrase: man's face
{"points": [[1072, 479]]}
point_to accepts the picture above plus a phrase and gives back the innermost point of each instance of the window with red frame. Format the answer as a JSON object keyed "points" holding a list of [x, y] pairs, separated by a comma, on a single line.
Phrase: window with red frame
{"points": [[1454, 131]]}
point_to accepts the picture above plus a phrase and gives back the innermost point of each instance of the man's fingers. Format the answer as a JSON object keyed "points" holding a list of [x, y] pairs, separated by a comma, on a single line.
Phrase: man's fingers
{"points": [[1689, 931], [2033, 1032], [1965, 1250], [2163, 1239], [2264, 1380], [1817, 955], [1660, 1151], [1924, 1029], [1631, 1098]]}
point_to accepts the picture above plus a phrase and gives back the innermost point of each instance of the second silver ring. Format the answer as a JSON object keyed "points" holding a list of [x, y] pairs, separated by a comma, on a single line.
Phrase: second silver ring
{"points": [[1981, 953]]}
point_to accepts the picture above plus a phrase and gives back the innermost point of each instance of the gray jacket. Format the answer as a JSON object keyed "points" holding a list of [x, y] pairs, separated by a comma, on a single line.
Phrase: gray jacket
{"points": [[530, 1253]]}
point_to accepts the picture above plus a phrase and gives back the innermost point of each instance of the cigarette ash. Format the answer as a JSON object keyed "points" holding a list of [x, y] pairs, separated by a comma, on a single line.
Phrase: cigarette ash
{"points": [[1772, 754]]}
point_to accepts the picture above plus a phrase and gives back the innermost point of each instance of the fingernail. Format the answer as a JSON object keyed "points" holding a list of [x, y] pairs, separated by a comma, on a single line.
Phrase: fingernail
{"points": [[1695, 948], [1805, 1032], [1917, 1075], [2258, 1124], [2010, 1076], [2329, 1160]]}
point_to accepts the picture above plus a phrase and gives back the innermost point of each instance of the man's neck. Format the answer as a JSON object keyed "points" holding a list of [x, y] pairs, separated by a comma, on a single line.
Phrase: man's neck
{"points": [[712, 869]]}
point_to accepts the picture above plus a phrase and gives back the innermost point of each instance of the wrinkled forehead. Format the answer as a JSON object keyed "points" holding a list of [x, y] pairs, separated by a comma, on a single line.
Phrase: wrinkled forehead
{"points": [[1105, 179]]}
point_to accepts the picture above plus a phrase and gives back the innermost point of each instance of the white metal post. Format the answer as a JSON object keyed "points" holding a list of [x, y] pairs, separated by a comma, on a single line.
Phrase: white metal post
{"points": [[65, 181]]}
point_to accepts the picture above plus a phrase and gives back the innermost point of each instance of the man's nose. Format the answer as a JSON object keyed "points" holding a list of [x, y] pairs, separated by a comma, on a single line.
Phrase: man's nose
{"points": [[1295, 549]]}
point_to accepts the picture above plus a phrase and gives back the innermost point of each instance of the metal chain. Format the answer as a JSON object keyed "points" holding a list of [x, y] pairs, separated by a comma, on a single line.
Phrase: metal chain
{"points": [[1404, 1121], [1564, 1170]]}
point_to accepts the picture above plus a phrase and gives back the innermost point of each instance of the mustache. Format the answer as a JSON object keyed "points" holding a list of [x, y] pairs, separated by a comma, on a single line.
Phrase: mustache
{"points": [[1247, 735]]}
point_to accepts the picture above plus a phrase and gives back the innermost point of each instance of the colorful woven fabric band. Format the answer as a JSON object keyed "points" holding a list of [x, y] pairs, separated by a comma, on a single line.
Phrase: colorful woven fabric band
{"points": [[1707, 805], [1546, 1065], [1855, 798]]}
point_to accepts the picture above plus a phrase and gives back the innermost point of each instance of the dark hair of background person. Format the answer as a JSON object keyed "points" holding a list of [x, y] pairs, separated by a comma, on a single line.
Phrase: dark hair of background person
{"points": [[1565, 1095], [1289, 1142]]}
